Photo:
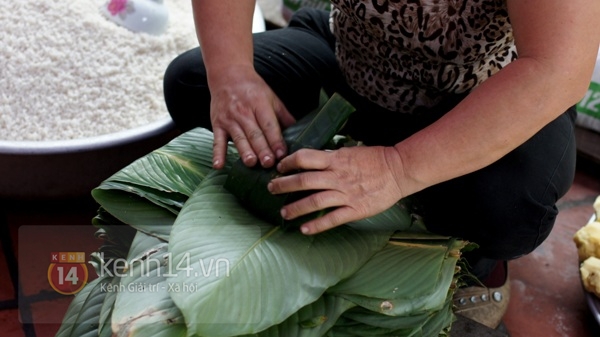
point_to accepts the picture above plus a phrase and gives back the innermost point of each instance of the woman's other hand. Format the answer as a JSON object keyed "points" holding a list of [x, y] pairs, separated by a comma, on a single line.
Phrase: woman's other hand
{"points": [[357, 181], [246, 110]]}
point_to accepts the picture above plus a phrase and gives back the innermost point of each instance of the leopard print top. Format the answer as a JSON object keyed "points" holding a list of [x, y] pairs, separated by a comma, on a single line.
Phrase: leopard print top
{"points": [[402, 54]]}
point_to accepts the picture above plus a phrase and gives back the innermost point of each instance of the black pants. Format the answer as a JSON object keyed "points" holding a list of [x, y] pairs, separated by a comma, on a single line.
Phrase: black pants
{"points": [[508, 208]]}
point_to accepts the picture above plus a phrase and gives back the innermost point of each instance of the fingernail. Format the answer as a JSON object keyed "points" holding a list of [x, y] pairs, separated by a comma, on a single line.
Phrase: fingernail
{"points": [[280, 153], [216, 163], [283, 213], [279, 167], [304, 229], [248, 158], [270, 187], [266, 159]]}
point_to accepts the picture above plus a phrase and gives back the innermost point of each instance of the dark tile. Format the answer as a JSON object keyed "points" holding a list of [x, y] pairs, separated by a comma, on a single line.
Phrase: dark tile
{"points": [[546, 285], [585, 188], [56, 227], [9, 321], [6, 286], [77, 212], [48, 315], [38, 242], [46, 330]]}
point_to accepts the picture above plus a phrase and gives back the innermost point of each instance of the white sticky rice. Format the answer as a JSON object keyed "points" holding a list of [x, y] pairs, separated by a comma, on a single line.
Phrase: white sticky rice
{"points": [[66, 72]]}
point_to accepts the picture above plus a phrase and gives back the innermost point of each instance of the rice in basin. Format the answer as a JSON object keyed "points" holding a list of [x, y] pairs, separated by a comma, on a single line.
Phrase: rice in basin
{"points": [[67, 72]]}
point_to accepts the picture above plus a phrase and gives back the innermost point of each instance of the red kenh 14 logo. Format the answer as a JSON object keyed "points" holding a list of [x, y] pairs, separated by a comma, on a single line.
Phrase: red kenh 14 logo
{"points": [[67, 272]]}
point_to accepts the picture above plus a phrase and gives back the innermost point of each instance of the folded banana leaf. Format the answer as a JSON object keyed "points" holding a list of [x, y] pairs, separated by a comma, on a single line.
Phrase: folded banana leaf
{"points": [[314, 131], [142, 305], [381, 276], [149, 193], [269, 274], [82, 318], [276, 272]]}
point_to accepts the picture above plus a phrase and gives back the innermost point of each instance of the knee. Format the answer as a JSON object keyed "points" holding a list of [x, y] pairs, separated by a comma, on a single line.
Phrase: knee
{"points": [[184, 70], [511, 236], [305, 16], [505, 223], [185, 90], [313, 20]]}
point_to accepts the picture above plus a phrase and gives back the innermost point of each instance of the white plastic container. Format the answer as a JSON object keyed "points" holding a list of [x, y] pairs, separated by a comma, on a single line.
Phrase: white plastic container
{"points": [[148, 16], [152, 16]]}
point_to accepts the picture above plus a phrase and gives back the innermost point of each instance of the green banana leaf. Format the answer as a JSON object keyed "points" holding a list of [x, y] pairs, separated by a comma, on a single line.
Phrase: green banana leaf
{"points": [[143, 306], [115, 235], [360, 315], [83, 315], [411, 305], [225, 272], [313, 320], [105, 328], [149, 193], [137, 212], [269, 272], [366, 323], [176, 168], [315, 131], [427, 274]]}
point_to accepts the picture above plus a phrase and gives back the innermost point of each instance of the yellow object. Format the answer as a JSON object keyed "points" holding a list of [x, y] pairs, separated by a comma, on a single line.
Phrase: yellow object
{"points": [[587, 240], [590, 275]]}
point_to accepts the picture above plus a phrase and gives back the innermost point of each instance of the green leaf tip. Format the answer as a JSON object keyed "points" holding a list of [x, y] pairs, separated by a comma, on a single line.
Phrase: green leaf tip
{"points": [[314, 131]]}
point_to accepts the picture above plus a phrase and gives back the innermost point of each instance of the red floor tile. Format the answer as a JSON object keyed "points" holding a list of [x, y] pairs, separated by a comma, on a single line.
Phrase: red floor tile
{"points": [[48, 315], [38, 242], [46, 330], [546, 288], [9, 321], [547, 299], [585, 187], [50, 311], [7, 291]]}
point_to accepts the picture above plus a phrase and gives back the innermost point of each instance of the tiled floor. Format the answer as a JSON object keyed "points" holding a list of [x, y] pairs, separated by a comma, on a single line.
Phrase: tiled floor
{"points": [[547, 297]]}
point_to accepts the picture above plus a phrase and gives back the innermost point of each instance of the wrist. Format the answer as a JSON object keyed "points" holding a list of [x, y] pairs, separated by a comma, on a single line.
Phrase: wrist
{"points": [[227, 72], [399, 165]]}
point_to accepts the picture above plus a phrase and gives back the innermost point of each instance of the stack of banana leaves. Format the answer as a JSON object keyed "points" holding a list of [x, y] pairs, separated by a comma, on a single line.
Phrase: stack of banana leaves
{"points": [[192, 251]]}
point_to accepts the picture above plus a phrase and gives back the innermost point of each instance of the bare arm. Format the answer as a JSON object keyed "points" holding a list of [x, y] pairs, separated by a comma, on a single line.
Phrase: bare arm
{"points": [[243, 107], [224, 30], [557, 43]]}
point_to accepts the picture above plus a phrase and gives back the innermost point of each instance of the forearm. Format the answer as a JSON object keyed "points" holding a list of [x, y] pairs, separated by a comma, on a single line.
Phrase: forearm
{"points": [[224, 30], [557, 43], [494, 119]]}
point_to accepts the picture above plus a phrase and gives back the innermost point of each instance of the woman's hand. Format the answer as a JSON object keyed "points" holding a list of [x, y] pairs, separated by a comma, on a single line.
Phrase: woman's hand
{"points": [[357, 181], [243, 106], [245, 109]]}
